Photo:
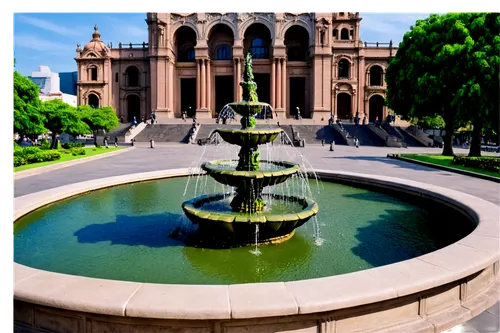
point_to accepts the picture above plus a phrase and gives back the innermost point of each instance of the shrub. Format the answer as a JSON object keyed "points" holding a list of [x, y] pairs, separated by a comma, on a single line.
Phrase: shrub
{"points": [[18, 161], [77, 151], [31, 150], [30, 155], [18, 151], [69, 145], [483, 163], [44, 144]]}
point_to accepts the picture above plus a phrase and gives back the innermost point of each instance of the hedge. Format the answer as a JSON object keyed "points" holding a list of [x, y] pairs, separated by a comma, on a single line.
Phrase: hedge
{"points": [[69, 145], [29, 155], [78, 151], [483, 163]]}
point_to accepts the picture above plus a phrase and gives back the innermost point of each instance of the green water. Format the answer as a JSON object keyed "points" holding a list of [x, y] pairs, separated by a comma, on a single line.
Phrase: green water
{"points": [[122, 233]]}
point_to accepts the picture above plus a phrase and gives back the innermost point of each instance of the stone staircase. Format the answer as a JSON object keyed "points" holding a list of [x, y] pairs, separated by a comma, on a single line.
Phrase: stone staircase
{"points": [[408, 139], [389, 139], [365, 136], [165, 133], [418, 135], [314, 134], [118, 132]]}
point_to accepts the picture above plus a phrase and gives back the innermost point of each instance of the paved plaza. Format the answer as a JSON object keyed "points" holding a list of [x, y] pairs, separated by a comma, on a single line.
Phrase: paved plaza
{"points": [[368, 160]]}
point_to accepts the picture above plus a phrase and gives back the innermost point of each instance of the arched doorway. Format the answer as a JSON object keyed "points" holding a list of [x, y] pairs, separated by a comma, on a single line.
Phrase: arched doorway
{"points": [[376, 108], [344, 106], [93, 100], [375, 76], [133, 108]]}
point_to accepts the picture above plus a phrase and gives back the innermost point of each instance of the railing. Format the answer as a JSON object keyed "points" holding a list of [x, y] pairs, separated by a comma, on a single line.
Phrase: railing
{"points": [[378, 44], [142, 45]]}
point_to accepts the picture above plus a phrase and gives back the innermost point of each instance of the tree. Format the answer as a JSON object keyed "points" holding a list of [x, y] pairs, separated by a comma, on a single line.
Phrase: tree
{"points": [[431, 73], [27, 118], [480, 94], [103, 118], [429, 122], [61, 117]]}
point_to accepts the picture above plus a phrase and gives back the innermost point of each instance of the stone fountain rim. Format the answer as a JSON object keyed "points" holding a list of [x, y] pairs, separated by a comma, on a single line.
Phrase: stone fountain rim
{"points": [[291, 168], [451, 264]]}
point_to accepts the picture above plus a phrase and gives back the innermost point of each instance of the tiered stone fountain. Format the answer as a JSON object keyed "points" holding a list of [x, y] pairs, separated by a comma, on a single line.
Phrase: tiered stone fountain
{"points": [[250, 213]]}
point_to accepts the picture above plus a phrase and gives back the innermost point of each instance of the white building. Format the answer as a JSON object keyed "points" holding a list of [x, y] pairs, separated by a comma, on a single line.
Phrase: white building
{"points": [[49, 84]]}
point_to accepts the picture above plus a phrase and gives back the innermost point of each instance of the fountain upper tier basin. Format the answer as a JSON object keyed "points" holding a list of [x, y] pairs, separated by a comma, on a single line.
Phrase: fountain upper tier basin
{"points": [[249, 137], [213, 215], [247, 109], [270, 173]]}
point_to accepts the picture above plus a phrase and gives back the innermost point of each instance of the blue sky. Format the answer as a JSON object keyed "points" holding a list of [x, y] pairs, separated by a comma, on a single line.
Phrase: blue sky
{"points": [[51, 38]]}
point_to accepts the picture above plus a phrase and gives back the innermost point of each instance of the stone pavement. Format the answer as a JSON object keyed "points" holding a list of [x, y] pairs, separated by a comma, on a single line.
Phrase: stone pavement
{"points": [[368, 160]]}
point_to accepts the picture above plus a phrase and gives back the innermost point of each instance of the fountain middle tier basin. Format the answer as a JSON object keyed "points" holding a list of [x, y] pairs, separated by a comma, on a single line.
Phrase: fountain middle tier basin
{"points": [[249, 137], [216, 220], [270, 173], [247, 109]]}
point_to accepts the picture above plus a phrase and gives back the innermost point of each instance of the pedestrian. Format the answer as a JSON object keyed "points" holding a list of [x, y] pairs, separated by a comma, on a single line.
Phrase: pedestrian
{"points": [[135, 121], [116, 141], [356, 142]]}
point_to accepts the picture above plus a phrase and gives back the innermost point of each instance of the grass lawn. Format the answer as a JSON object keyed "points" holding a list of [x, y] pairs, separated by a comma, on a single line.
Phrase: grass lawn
{"points": [[446, 161], [68, 157]]}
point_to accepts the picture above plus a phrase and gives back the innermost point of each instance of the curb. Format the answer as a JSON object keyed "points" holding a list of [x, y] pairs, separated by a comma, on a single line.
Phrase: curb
{"points": [[37, 171], [440, 167]]}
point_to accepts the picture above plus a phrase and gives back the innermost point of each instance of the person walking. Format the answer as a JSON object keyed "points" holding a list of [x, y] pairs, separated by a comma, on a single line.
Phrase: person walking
{"points": [[356, 142]]}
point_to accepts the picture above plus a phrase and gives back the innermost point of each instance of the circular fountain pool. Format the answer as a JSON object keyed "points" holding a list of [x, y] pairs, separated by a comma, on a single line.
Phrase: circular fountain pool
{"points": [[125, 233]]}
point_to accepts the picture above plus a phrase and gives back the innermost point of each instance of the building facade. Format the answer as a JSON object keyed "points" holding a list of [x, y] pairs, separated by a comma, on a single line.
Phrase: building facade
{"points": [[312, 62], [50, 86]]}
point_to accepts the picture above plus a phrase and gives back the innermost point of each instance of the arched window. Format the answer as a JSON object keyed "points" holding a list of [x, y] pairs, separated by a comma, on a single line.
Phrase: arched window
{"points": [[93, 73], [185, 40], [223, 52], [132, 74], [343, 69], [258, 49], [344, 34], [336, 33], [375, 76]]}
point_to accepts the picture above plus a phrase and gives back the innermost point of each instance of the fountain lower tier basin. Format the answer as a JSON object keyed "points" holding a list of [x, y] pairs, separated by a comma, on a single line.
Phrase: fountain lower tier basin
{"points": [[219, 225], [249, 137], [247, 109], [270, 173]]}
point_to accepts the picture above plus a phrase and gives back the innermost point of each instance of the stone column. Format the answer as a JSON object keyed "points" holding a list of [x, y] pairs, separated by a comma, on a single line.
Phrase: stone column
{"points": [[273, 84], [238, 80], [367, 111], [278, 85], [235, 76], [283, 89], [203, 85], [334, 102], [209, 91], [170, 105], [361, 89], [198, 85]]}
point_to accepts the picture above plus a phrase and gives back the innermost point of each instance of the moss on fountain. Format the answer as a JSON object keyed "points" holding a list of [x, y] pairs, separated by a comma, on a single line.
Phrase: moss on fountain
{"points": [[248, 204]]}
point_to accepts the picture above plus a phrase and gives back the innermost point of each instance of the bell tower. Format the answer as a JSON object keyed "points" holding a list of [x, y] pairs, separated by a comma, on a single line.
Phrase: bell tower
{"points": [[94, 72]]}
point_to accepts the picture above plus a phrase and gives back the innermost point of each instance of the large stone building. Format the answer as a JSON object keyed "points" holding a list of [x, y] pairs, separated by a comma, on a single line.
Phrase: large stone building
{"points": [[193, 62]]}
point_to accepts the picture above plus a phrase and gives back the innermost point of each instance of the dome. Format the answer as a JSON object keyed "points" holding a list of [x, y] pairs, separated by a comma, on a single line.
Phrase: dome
{"points": [[96, 44]]}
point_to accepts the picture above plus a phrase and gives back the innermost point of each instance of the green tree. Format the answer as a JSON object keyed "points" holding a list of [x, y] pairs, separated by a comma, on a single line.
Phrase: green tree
{"points": [[429, 122], [27, 118], [480, 94], [62, 118], [103, 118], [431, 74]]}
